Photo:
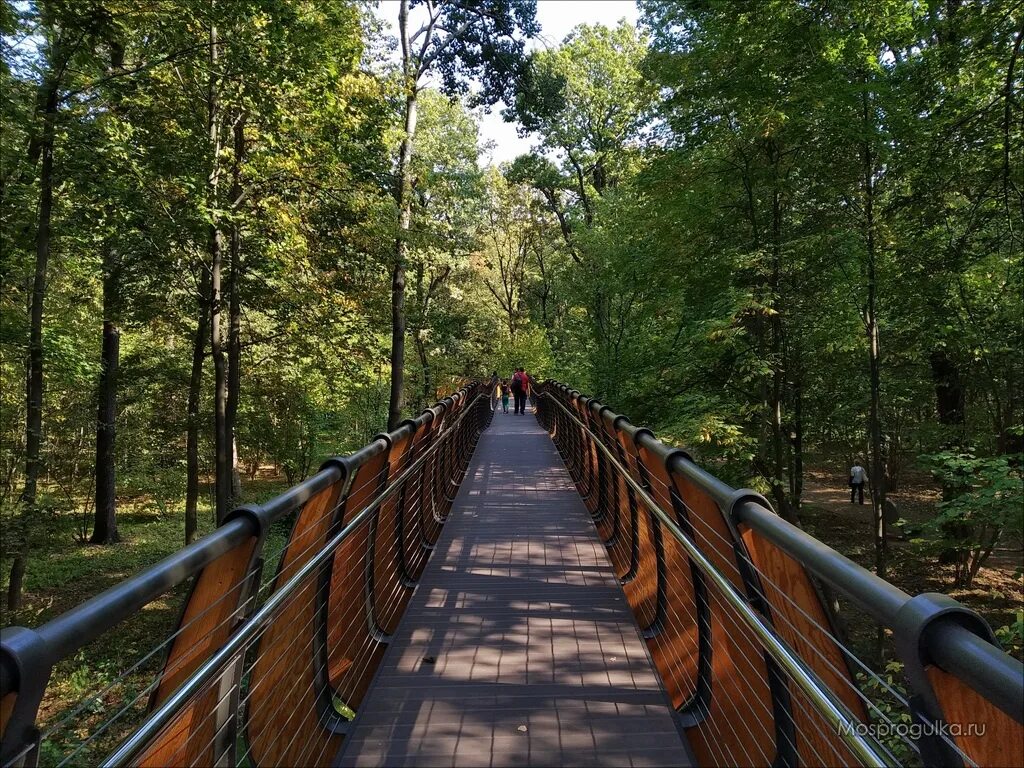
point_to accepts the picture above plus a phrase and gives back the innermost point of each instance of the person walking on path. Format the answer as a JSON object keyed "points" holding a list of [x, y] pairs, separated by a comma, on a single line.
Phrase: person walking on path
{"points": [[519, 385], [857, 478], [503, 387]]}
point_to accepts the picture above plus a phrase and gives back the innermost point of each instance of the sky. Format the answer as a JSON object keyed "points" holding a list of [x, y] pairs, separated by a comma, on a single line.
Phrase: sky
{"points": [[557, 18]]}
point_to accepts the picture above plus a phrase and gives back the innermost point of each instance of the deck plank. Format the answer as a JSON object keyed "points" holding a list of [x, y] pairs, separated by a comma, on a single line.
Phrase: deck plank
{"points": [[537, 659]]}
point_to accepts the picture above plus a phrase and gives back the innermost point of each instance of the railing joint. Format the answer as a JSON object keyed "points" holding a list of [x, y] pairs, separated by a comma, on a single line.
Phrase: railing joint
{"points": [[26, 663], [914, 629], [744, 496]]}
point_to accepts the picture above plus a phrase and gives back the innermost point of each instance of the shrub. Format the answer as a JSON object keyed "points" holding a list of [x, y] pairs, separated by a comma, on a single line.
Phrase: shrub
{"points": [[984, 501]]}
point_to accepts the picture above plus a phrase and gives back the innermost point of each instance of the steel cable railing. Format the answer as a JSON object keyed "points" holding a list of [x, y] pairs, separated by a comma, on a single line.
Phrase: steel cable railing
{"points": [[247, 645], [727, 596], [268, 669]]}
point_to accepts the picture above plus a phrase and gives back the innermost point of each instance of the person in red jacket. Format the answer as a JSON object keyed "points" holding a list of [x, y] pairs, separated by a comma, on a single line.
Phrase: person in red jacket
{"points": [[520, 385]]}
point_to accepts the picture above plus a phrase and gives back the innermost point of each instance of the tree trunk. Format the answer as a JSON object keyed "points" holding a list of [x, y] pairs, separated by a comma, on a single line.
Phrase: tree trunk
{"points": [[395, 401], [778, 438], [34, 372], [428, 384], [403, 196], [222, 446], [950, 402], [235, 314], [105, 525], [777, 351], [798, 440], [949, 391], [194, 393], [877, 469]]}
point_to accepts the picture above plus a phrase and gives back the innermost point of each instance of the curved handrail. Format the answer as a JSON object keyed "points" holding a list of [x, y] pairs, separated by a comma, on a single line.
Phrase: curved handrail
{"points": [[228, 560], [826, 704], [172, 706], [934, 634]]}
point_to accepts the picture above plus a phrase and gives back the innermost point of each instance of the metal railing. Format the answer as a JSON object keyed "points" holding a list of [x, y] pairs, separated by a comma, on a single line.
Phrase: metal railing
{"points": [[727, 595], [269, 668], [247, 648]]}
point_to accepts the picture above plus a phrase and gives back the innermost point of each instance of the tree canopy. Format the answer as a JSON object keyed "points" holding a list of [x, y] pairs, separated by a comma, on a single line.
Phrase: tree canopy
{"points": [[782, 234]]}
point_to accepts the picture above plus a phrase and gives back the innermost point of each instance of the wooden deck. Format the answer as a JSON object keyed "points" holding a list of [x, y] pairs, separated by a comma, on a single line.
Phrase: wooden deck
{"points": [[518, 647]]}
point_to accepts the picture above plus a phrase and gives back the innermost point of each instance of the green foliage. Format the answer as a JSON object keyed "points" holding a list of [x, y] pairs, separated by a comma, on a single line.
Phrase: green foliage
{"points": [[710, 199], [885, 709], [1011, 636], [984, 502], [480, 45], [529, 350], [309, 201]]}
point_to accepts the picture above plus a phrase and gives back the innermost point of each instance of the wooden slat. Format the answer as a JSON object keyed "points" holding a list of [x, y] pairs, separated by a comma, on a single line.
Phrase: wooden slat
{"points": [[207, 622], [6, 710], [588, 479], [621, 523], [429, 498], [675, 648], [606, 517], [390, 596], [804, 627], [282, 720], [354, 654], [642, 590], [347, 630], [413, 500], [741, 727], [989, 736]]}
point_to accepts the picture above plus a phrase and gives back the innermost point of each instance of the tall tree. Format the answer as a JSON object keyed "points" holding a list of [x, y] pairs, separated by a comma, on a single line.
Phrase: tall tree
{"points": [[590, 105], [456, 42], [508, 242], [215, 117], [68, 36]]}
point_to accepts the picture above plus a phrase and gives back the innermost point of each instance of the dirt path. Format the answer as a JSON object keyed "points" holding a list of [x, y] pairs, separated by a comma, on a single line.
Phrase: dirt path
{"points": [[827, 491], [998, 589]]}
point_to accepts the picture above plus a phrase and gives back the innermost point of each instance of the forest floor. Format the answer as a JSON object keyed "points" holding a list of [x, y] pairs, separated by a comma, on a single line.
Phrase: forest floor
{"points": [[997, 592]]}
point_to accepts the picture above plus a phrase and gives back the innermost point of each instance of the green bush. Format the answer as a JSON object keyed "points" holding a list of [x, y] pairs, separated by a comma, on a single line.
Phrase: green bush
{"points": [[984, 500]]}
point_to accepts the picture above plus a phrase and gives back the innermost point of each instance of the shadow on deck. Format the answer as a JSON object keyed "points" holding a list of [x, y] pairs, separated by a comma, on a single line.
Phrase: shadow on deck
{"points": [[518, 646]]}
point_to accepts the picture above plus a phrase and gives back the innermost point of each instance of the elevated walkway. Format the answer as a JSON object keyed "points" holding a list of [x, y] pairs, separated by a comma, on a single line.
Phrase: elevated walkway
{"points": [[480, 589], [518, 646]]}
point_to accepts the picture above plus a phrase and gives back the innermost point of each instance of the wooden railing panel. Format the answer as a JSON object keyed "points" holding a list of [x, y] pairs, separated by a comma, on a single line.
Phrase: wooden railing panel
{"points": [[675, 648], [642, 590], [741, 726], [6, 710], [621, 551], [801, 620], [390, 595], [414, 500], [282, 684], [988, 736], [209, 618]]}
